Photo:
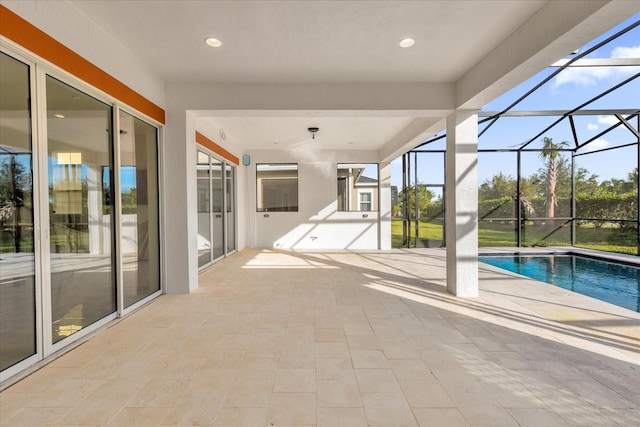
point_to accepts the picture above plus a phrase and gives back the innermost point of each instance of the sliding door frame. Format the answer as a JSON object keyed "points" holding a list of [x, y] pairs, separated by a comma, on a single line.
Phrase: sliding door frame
{"points": [[224, 163], [38, 72]]}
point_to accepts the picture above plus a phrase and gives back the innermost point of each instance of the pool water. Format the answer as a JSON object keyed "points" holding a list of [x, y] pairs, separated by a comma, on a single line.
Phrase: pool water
{"points": [[608, 281]]}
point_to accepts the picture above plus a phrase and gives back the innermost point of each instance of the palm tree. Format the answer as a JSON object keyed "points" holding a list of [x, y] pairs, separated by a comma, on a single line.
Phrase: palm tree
{"points": [[549, 156]]}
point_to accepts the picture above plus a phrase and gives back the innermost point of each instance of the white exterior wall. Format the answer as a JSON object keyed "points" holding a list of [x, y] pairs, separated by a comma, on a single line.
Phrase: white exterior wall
{"points": [[62, 21], [317, 225]]}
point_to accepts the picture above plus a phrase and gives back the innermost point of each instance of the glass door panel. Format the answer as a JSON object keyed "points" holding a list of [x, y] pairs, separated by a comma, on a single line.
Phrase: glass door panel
{"points": [[17, 260], [80, 209], [231, 207], [204, 210], [139, 197], [217, 208]]}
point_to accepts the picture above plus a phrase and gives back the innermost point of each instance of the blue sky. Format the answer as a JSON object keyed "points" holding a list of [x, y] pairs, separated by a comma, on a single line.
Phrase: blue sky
{"points": [[567, 90]]}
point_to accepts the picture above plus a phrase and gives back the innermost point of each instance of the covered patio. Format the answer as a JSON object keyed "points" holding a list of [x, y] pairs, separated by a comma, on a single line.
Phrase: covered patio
{"points": [[371, 338]]}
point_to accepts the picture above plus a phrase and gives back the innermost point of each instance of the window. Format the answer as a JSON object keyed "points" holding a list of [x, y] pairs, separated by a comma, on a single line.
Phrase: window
{"points": [[366, 199], [277, 187], [357, 187]]}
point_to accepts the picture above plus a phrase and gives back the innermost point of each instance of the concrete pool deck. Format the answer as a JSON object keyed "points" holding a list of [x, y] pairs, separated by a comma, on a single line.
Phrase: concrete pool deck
{"points": [[328, 339]]}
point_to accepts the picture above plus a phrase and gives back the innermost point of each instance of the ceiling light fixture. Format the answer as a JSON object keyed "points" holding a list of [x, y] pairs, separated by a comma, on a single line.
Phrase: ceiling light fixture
{"points": [[213, 42], [408, 42], [313, 131], [59, 116]]}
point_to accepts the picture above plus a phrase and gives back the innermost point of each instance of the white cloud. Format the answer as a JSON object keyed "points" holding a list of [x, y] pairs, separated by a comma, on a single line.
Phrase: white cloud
{"points": [[590, 76], [583, 76], [607, 120], [592, 126], [626, 52], [596, 144]]}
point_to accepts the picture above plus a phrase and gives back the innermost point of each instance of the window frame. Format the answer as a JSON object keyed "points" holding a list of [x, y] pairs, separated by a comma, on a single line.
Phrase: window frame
{"points": [[283, 196]]}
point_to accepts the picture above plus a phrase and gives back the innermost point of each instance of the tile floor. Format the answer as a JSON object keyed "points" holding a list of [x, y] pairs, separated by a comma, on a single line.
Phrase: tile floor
{"points": [[343, 339]]}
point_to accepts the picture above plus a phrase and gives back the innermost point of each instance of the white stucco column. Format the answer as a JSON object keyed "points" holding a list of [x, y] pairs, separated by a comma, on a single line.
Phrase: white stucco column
{"points": [[179, 203], [385, 205], [461, 183]]}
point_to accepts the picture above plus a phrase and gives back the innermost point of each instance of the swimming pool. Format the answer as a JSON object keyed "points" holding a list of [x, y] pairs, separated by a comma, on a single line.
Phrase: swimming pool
{"points": [[613, 282]]}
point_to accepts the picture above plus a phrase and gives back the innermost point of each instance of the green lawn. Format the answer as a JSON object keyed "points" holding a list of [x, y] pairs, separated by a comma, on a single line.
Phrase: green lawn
{"points": [[503, 234]]}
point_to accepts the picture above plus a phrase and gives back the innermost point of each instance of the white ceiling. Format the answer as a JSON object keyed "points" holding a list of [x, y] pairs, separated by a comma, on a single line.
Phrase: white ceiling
{"points": [[326, 42], [335, 133], [309, 41]]}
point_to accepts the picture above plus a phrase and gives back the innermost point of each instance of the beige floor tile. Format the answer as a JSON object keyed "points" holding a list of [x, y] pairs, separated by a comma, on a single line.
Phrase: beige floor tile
{"points": [[425, 393], [159, 393], [341, 417], [439, 417], [387, 409], [27, 417], [246, 393], [404, 350], [410, 369], [46, 378], [292, 409], [330, 335], [377, 381], [479, 409], [233, 342], [241, 417], [218, 355], [258, 369], [66, 393], [98, 407], [139, 417], [10, 403], [334, 369], [358, 329], [341, 393], [363, 342], [537, 417], [369, 359], [332, 350], [196, 409], [295, 380]]}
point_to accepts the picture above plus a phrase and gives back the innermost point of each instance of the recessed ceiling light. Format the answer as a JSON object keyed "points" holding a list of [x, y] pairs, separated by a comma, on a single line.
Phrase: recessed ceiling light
{"points": [[59, 116], [213, 42], [408, 42]]}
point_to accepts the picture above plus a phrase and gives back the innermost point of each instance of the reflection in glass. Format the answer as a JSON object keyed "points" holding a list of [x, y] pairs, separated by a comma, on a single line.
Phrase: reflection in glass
{"points": [[204, 210], [277, 185], [217, 199], [357, 187], [82, 272], [231, 207], [139, 198], [17, 263]]}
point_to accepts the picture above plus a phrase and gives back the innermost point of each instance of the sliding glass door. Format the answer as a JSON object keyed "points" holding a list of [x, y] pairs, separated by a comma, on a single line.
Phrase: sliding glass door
{"points": [[204, 209], [79, 212], [216, 208], [18, 334], [79, 141], [139, 224], [230, 203]]}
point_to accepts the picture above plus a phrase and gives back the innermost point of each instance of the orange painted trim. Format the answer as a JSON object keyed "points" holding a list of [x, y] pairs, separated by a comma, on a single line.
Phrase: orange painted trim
{"points": [[31, 38], [206, 142]]}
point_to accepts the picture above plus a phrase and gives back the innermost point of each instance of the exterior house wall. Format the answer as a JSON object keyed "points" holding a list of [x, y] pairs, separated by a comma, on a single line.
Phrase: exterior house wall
{"points": [[317, 225]]}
